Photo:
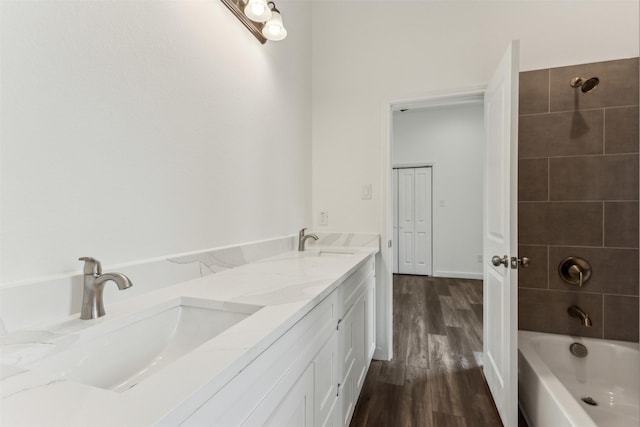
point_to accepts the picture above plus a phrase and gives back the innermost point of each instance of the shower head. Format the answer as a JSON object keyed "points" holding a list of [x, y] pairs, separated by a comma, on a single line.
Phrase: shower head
{"points": [[585, 85]]}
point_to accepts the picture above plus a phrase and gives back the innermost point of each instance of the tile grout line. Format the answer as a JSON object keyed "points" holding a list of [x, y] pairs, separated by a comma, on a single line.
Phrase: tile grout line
{"points": [[549, 92], [578, 292], [604, 131], [548, 179], [577, 201], [615, 248], [603, 222], [578, 110], [579, 155], [603, 316], [548, 263]]}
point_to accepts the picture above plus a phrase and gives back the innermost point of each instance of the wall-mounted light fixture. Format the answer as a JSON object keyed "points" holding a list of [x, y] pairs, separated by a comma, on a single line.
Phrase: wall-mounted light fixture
{"points": [[260, 17]]}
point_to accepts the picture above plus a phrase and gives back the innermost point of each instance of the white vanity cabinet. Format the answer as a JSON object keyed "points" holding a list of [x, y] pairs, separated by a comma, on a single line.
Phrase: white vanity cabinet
{"points": [[356, 340], [310, 376]]}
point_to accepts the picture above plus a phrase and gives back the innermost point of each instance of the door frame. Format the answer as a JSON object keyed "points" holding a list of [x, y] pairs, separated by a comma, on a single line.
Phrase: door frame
{"points": [[384, 269]]}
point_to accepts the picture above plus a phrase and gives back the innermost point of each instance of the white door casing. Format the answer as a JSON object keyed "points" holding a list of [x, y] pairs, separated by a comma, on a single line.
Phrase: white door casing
{"points": [[500, 296]]}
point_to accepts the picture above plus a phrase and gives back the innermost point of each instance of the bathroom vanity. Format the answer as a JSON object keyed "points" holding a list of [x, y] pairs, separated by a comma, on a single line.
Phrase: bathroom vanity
{"points": [[293, 338]]}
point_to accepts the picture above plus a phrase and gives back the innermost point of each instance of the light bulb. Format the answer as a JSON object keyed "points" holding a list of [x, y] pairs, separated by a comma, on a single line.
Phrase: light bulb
{"points": [[258, 11], [273, 28]]}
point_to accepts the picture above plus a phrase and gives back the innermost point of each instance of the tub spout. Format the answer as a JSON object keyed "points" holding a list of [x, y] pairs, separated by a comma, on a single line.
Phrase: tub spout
{"points": [[575, 311]]}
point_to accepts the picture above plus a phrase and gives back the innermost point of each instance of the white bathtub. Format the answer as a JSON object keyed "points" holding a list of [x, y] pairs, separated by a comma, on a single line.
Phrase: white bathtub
{"points": [[552, 381]]}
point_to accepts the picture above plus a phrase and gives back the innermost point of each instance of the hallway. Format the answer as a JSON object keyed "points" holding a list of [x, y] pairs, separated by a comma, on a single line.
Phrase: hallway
{"points": [[435, 378]]}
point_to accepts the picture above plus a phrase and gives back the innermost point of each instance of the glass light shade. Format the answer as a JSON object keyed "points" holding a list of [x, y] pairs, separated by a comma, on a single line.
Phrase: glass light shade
{"points": [[258, 10], [273, 28]]}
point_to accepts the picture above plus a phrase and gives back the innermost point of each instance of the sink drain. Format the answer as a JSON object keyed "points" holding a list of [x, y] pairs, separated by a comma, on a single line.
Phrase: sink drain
{"points": [[589, 401], [578, 350]]}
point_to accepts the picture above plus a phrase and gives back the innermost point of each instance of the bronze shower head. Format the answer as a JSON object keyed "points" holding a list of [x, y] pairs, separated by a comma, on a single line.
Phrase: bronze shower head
{"points": [[585, 85]]}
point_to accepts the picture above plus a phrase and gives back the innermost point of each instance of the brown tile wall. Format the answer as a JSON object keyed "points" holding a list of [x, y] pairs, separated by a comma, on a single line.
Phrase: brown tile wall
{"points": [[578, 196]]}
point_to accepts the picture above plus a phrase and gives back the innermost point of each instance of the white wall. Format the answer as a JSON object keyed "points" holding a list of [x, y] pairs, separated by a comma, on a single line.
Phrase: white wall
{"points": [[366, 54], [369, 53], [451, 138], [139, 129]]}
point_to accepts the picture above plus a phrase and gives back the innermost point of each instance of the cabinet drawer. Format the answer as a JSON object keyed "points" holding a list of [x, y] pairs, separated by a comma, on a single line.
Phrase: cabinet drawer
{"points": [[353, 286]]}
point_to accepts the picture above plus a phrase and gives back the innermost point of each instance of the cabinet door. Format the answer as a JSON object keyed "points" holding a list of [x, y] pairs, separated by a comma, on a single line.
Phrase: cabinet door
{"points": [[347, 390], [370, 318], [360, 344], [325, 366], [295, 409], [351, 332]]}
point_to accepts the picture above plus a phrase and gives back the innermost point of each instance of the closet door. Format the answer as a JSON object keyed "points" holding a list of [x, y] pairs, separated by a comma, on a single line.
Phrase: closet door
{"points": [[395, 221], [422, 222], [406, 221], [414, 221]]}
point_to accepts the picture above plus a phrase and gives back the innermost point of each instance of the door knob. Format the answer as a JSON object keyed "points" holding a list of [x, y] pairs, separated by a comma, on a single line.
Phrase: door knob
{"points": [[496, 260]]}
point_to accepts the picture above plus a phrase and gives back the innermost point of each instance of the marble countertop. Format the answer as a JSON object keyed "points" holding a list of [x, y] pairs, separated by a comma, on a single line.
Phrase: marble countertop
{"points": [[287, 286]]}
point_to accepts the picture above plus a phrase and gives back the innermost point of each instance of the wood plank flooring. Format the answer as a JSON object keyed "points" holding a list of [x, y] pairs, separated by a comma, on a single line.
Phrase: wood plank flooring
{"points": [[435, 378]]}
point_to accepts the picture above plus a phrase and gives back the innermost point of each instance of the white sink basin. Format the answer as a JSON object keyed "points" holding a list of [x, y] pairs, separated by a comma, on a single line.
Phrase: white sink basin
{"points": [[118, 359]]}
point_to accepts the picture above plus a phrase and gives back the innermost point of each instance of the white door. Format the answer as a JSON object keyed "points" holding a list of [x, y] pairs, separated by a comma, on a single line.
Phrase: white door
{"points": [[422, 226], [405, 221], [395, 221], [500, 334], [414, 221]]}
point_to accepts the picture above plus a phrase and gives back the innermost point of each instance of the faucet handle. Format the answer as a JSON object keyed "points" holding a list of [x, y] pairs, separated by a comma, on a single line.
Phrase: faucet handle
{"points": [[301, 233], [91, 265]]}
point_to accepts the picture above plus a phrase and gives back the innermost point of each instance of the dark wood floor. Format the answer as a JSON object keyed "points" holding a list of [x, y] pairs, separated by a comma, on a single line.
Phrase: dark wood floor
{"points": [[435, 378]]}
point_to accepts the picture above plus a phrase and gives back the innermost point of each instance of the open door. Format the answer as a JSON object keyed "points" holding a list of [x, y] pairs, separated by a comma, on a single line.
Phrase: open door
{"points": [[500, 326]]}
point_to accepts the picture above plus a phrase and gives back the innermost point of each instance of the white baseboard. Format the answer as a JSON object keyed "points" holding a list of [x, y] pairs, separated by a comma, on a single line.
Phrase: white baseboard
{"points": [[382, 354], [457, 275]]}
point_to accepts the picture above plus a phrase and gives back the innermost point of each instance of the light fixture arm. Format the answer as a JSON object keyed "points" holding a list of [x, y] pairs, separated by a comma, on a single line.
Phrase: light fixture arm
{"points": [[237, 7], [255, 28], [272, 6]]}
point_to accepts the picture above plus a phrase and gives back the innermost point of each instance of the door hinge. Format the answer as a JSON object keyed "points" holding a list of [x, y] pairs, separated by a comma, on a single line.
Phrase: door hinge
{"points": [[338, 393]]}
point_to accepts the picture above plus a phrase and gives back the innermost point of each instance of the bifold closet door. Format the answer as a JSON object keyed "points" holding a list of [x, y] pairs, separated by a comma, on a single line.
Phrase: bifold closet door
{"points": [[414, 221]]}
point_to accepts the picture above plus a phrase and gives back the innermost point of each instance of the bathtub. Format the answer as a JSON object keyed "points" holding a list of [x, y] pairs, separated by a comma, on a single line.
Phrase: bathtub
{"points": [[552, 381]]}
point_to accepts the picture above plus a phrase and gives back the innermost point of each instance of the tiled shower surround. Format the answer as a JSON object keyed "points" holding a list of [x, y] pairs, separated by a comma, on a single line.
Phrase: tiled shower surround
{"points": [[578, 196]]}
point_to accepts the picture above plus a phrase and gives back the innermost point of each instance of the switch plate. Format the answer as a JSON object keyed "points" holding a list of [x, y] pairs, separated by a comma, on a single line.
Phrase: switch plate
{"points": [[324, 218]]}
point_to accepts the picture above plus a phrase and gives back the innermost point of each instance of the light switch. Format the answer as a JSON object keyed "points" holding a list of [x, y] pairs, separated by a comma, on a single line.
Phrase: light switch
{"points": [[366, 191]]}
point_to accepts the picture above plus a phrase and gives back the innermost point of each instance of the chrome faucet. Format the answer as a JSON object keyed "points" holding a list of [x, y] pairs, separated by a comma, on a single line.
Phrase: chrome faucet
{"points": [[575, 311], [302, 238], [94, 281]]}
